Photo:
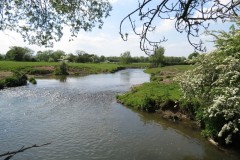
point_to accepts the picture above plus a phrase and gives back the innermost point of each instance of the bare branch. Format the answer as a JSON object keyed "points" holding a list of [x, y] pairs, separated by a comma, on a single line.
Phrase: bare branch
{"points": [[22, 149], [190, 16]]}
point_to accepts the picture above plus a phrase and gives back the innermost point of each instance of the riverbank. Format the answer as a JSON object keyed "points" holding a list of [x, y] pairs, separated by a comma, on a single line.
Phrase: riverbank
{"points": [[83, 121], [160, 95], [46, 69]]}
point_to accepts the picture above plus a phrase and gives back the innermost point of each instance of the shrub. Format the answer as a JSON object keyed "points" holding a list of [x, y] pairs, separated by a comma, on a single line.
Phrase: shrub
{"points": [[18, 79], [32, 80], [214, 83], [2, 84], [61, 69], [149, 105]]}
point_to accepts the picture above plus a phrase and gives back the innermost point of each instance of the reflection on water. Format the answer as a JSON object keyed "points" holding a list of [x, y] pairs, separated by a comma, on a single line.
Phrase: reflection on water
{"points": [[82, 120], [61, 78], [125, 76]]}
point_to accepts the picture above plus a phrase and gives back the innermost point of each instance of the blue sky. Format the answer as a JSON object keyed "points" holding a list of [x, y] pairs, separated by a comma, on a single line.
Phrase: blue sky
{"points": [[108, 42]]}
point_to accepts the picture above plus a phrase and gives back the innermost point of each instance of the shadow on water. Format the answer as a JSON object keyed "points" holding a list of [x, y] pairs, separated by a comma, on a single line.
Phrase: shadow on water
{"points": [[191, 131]]}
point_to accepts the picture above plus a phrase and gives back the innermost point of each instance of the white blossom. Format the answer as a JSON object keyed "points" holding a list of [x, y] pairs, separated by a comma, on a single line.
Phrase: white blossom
{"points": [[215, 82]]}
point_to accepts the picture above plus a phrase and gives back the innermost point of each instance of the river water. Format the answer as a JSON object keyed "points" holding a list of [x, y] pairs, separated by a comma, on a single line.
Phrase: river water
{"points": [[81, 119]]}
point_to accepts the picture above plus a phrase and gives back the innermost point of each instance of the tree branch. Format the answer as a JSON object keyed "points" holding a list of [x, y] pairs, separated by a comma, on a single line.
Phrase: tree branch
{"points": [[22, 149], [190, 16]]}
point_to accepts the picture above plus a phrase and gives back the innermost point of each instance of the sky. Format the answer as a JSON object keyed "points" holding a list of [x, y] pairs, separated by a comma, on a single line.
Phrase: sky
{"points": [[107, 41]]}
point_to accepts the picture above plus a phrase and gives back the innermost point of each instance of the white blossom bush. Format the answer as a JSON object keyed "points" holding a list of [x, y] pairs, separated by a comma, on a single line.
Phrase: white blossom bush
{"points": [[215, 84]]}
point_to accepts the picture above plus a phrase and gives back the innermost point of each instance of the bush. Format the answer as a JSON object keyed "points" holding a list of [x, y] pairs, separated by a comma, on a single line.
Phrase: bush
{"points": [[149, 105], [2, 84], [18, 79], [214, 83], [61, 69], [32, 80]]}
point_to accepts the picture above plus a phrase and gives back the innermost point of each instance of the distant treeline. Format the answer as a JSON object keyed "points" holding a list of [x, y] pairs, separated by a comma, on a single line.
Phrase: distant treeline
{"points": [[25, 54]]}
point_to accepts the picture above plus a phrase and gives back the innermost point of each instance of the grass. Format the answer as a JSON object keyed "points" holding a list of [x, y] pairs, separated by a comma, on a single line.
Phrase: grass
{"points": [[12, 65], [153, 95], [144, 96], [167, 74], [175, 68], [35, 68]]}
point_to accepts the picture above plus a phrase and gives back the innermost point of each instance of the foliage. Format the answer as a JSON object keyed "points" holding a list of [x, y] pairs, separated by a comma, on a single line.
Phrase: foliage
{"points": [[174, 60], [62, 68], [43, 56], [193, 55], [18, 79], [42, 22], [157, 58], [214, 83], [49, 55], [2, 84], [19, 54], [140, 59], [32, 80], [84, 57], [25, 54], [1, 57], [126, 58], [190, 16]]}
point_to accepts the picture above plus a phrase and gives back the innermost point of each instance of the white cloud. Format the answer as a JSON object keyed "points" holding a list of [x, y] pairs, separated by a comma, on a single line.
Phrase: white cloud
{"points": [[165, 25], [107, 41], [225, 1], [9, 39], [101, 44], [113, 1]]}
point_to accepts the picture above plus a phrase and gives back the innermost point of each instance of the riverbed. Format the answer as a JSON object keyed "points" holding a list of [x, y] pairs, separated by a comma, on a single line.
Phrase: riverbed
{"points": [[81, 119]]}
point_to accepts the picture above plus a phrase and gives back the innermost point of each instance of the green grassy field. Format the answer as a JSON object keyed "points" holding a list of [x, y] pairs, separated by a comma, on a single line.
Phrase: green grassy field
{"points": [[151, 96], [12, 65], [175, 68], [74, 68]]}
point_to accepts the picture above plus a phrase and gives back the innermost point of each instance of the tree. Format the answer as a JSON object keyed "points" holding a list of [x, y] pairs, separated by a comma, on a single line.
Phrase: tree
{"points": [[43, 55], [19, 54], [190, 16], [113, 59], [83, 57], [1, 57], [174, 60], [41, 21], [102, 58], [72, 57], [57, 55], [95, 59], [192, 55], [157, 58], [214, 84], [125, 58]]}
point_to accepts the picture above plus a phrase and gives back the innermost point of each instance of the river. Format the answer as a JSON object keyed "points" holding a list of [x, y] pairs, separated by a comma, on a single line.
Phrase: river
{"points": [[81, 119]]}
